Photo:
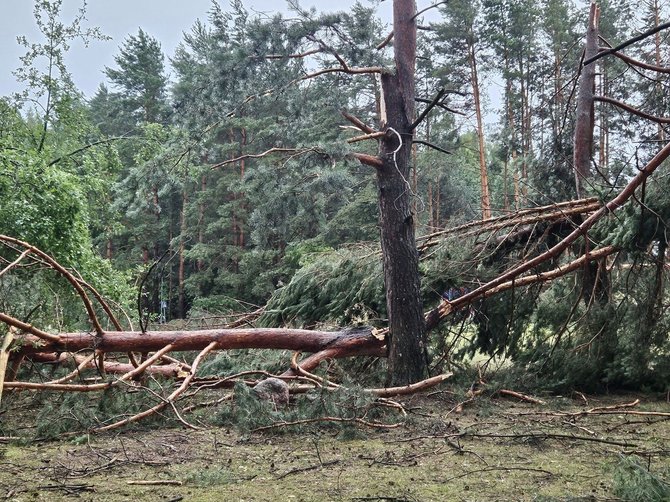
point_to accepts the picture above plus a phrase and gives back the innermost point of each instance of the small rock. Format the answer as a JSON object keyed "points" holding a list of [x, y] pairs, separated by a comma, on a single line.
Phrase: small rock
{"points": [[274, 390]]}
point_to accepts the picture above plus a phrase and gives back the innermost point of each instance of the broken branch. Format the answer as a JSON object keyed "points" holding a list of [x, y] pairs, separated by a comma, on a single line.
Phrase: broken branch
{"points": [[630, 109], [628, 42]]}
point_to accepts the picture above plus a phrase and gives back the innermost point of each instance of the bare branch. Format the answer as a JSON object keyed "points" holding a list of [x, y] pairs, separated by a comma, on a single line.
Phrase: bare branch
{"points": [[15, 262], [289, 56], [84, 148], [28, 328], [368, 160], [630, 109], [168, 400], [385, 42], [434, 147], [374, 135], [65, 387], [62, 271], [410, 389], [437, 4], [328, 48], [358, 122], [628, 42], [350, 71], [640, 64], [427, 110], [441, 105], [298, 151]]}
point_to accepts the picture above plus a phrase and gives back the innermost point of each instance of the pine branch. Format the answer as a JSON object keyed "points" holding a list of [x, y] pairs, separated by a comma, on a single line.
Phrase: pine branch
{"points": [[358, 122], [430, 106], [430, 145], [628, 42], [630, 109], [368, 160], [640, 64], [297, 151]]}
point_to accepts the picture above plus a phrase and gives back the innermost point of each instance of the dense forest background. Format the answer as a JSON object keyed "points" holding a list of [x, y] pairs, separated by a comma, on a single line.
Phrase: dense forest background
{"points": [[231, 185]]}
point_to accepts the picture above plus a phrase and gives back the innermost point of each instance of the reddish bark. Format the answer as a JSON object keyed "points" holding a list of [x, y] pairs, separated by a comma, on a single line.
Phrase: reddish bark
{"points": [[349, 342]]}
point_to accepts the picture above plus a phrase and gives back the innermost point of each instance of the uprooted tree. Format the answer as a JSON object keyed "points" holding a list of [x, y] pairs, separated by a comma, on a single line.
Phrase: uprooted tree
{"points": [[532, 248]]}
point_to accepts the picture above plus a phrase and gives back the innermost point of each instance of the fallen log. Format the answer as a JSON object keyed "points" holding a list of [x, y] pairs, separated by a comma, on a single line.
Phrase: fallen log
{"points": [[357, 341]]}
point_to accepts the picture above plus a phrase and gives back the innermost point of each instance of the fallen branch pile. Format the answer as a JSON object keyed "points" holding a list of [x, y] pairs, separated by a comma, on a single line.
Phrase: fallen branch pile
{"points": [[24, 341]]}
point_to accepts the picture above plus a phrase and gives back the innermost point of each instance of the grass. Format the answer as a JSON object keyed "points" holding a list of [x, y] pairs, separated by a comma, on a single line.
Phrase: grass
{"points": [[417, 462]]}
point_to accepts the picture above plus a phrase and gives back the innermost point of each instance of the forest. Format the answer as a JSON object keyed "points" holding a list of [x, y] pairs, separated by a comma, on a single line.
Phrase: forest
{"points": [[405, 203]]}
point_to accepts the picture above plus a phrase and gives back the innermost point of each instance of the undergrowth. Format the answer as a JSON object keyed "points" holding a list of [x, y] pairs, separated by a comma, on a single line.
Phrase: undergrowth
{"points": [[248, 413], [634, 482]]}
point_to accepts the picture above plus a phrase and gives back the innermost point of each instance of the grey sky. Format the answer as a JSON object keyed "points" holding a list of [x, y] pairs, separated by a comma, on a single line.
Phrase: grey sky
{"points": [[165, 20]]}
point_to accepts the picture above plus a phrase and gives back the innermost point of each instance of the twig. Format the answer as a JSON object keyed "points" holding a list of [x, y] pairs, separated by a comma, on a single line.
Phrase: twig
{"points": [[522, 397], [86, 147], [487, 469], [328, 419], [76, 371], [545, 435], [430, 145], [263, 154], [156, 482], [308, 468], [289, 56]]}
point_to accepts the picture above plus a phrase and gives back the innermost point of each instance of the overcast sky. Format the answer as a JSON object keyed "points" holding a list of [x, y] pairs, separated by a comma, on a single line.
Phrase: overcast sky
{"points": [[165, 20]]}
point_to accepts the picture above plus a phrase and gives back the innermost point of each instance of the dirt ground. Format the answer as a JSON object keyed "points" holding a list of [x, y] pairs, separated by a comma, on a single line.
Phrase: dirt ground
{"points": [[492, 449]]}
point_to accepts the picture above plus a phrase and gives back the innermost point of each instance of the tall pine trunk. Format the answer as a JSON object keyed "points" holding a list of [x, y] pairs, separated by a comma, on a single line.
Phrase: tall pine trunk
{"points": [[407, 361], [483, 172], [583, 143]]}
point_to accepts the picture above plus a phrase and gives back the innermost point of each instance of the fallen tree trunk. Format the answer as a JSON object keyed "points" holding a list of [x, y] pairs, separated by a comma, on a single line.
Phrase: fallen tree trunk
{"points": [[349, 341]]}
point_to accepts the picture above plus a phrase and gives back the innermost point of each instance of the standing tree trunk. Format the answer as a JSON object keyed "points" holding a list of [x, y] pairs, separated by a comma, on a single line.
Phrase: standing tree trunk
{"points": [[406, 344], [585, 117], [181, 275], [483, 172]]}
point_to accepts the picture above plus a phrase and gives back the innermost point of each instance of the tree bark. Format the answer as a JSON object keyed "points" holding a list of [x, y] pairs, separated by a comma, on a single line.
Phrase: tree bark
{"points": [[583, 144], [348, 342], [407, 361], [483, 171]]}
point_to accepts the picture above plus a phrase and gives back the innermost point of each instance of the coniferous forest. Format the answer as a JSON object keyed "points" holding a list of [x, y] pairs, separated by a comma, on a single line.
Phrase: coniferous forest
{"points": [[404, 203]]}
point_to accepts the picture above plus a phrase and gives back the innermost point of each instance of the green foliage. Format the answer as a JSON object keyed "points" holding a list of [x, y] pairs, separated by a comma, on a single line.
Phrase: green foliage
{"points": [[343, 287], [140, 78], [208, 476], [247, 412], [71, 412], [635, 483], [54, 172]]}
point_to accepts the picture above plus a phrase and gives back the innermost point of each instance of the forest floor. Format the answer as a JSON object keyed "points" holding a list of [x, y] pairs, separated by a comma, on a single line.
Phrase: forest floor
{"points": [[492, 449]]}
